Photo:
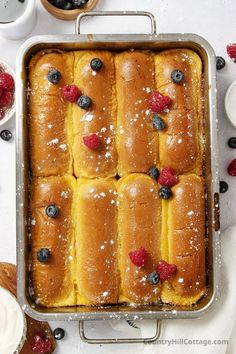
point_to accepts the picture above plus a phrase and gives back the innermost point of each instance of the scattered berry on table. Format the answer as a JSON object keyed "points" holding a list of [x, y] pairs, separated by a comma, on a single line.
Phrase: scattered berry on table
{"points": [[6, 135], [165, 193], [231, 50], [220, 63], [59, 333], [54, 76], [166, 270], [84, 102], [223, 186], [153, 278], [43, 255], [92, 141], [153, 172], [168, 177], [41, 344], [232, 143], [139, 257], [158, 123], [177, 76], [96, 64], [52, 211], [71, 93], [7, 82], [158, 102], [232, 168]]}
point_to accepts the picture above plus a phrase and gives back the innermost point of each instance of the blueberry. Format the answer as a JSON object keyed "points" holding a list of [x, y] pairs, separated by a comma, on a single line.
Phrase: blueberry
{"points": [[60, 3], [84, 102], [153, 172], [43, 255], [165, 193], [153, 278], [59, 333], [177, 76], [96, 64], [52, 211], [158, 123], [232, 143], [68, 6], [223, 187], [54, 76], [220, 63], [6, 135], [79, 3]]}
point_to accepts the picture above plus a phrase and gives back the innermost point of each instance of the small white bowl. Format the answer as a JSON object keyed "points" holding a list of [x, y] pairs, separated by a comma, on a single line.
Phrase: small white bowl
{"points": [[230, 103], [10, 111]]}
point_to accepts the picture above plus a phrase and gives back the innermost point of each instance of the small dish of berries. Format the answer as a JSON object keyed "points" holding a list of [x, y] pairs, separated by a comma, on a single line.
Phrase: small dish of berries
{"points": [[7, 92]]}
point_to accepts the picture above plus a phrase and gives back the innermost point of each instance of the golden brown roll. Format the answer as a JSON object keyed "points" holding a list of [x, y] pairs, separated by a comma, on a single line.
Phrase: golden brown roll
{"points": [[139, 224], [99, 119], [96, 242], [50, 116], [53, 282], [183, 241], [135, 139], [180, 144]]}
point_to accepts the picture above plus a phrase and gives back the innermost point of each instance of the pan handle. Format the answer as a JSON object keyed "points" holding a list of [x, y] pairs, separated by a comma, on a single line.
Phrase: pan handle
{"points": [[149, 340], [116, 13]]}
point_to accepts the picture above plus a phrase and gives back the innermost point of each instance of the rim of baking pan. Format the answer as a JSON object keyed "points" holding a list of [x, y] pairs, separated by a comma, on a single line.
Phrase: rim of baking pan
{"points": [[21, 172]]}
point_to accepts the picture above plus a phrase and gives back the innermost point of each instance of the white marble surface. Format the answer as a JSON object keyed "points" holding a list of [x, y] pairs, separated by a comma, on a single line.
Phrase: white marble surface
{"points": [[213, 19]]}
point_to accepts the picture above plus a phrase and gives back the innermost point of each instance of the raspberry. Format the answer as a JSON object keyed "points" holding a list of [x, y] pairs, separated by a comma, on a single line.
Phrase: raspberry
{"points": [[7, 81], [231, 50], [158, 102], [92, 141], [2, 113], [166, 270], [232, 168], [138, 257], [6, 99], [71, 93], [1, 90], [41, 344], [167, 177]]}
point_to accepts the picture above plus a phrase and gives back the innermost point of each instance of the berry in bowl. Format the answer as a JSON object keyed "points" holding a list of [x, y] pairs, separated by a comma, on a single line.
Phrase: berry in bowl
{"points": [[7, 92], [68, 9]]}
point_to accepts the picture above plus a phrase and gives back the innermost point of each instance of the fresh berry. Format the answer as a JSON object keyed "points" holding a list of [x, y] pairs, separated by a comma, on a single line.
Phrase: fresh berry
{"points": [[165, 193], [52, 211], [7, 82], [79, 3], [59, 333], [2, 113], [166, 270], [158, 123], [177, 76], [54, 76], [84, 102], [231, 50], [41, 344], [220, 63], [153, 172], [6, 99], [96, 64], [232, 143], [68, 6], [232, 168], [153, 278], [223, 186], [138, 257], [167, 177], [43, 255], [159, 102], [6, 135], [59, 3], [1, 90], [92, 141], [71, 93]]}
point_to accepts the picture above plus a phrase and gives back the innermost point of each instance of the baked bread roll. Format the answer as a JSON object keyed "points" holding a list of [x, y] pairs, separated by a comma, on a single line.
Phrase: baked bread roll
{"points": [[183, 241], [96, 242], [99, 119], [180, 144], [53, 280], [136, 140], [139, 224], [50, 115]]}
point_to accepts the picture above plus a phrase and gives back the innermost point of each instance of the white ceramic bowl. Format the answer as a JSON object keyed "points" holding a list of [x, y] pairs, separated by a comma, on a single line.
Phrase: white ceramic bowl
{"points": [[230, 103], [10, 111]]}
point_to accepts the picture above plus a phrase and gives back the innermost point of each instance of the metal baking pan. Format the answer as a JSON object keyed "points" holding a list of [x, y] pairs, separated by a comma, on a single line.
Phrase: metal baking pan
{"points": [[152, 41]]}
